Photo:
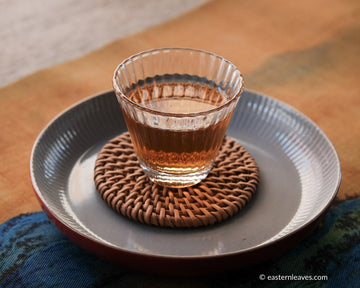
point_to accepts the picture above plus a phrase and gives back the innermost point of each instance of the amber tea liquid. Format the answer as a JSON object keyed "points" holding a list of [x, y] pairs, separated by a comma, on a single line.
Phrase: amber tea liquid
{"points": [[170, 142]]}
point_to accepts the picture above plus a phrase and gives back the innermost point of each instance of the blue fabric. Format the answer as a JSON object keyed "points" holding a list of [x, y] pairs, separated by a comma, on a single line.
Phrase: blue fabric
{"points": [[33, 253]]}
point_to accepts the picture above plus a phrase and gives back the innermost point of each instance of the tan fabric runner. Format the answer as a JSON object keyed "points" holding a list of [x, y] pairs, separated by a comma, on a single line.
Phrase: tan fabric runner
{"points": [[305, 53]]}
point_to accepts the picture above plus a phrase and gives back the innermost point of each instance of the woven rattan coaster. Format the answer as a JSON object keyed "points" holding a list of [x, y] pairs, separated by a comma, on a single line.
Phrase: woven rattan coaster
{"points": [[124, 187]]}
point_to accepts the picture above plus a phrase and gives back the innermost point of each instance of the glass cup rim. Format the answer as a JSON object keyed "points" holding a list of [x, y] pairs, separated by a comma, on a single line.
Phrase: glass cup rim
{"points": [[169, 114]]}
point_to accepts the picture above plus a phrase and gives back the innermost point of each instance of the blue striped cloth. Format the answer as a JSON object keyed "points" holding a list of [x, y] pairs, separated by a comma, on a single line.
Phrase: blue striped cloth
{"points": [[33, 253]]}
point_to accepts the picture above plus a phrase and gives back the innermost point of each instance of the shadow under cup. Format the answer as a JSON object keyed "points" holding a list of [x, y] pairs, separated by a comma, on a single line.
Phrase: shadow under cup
{"points": [[177, 104]]}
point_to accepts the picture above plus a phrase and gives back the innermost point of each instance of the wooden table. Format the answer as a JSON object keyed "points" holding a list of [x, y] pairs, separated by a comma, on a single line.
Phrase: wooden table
{"points": [[304, 53]]}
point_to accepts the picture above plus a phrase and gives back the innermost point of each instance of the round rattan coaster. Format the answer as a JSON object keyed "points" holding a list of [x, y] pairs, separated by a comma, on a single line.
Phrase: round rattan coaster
{"points": [[123, 185]]}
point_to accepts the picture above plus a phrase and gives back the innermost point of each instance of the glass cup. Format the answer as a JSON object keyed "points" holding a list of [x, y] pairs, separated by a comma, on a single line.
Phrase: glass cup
{"points": [[177, 104]]}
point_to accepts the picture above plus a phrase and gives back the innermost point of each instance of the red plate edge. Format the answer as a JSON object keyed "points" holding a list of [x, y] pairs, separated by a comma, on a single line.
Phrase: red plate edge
{"points": [[186, 266]]}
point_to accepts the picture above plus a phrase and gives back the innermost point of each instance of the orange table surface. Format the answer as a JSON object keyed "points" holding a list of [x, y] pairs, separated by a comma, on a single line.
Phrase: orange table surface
{"points": [[304, 53]]}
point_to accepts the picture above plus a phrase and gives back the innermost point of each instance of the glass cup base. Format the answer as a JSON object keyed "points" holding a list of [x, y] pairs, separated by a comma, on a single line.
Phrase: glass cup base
{"points": [[176, 180]]}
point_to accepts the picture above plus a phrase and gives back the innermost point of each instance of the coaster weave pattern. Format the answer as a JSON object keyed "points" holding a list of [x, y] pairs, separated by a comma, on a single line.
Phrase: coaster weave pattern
{"points": [[123, 185]]}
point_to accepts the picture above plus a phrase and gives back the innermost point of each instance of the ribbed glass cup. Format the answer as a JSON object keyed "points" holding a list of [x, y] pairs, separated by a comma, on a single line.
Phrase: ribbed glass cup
{"points": [[177, 104]]}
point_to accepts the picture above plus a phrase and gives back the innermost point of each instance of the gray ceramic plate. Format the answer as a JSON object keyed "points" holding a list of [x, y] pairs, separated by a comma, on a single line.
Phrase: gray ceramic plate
{"points": [[299, 177]]}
